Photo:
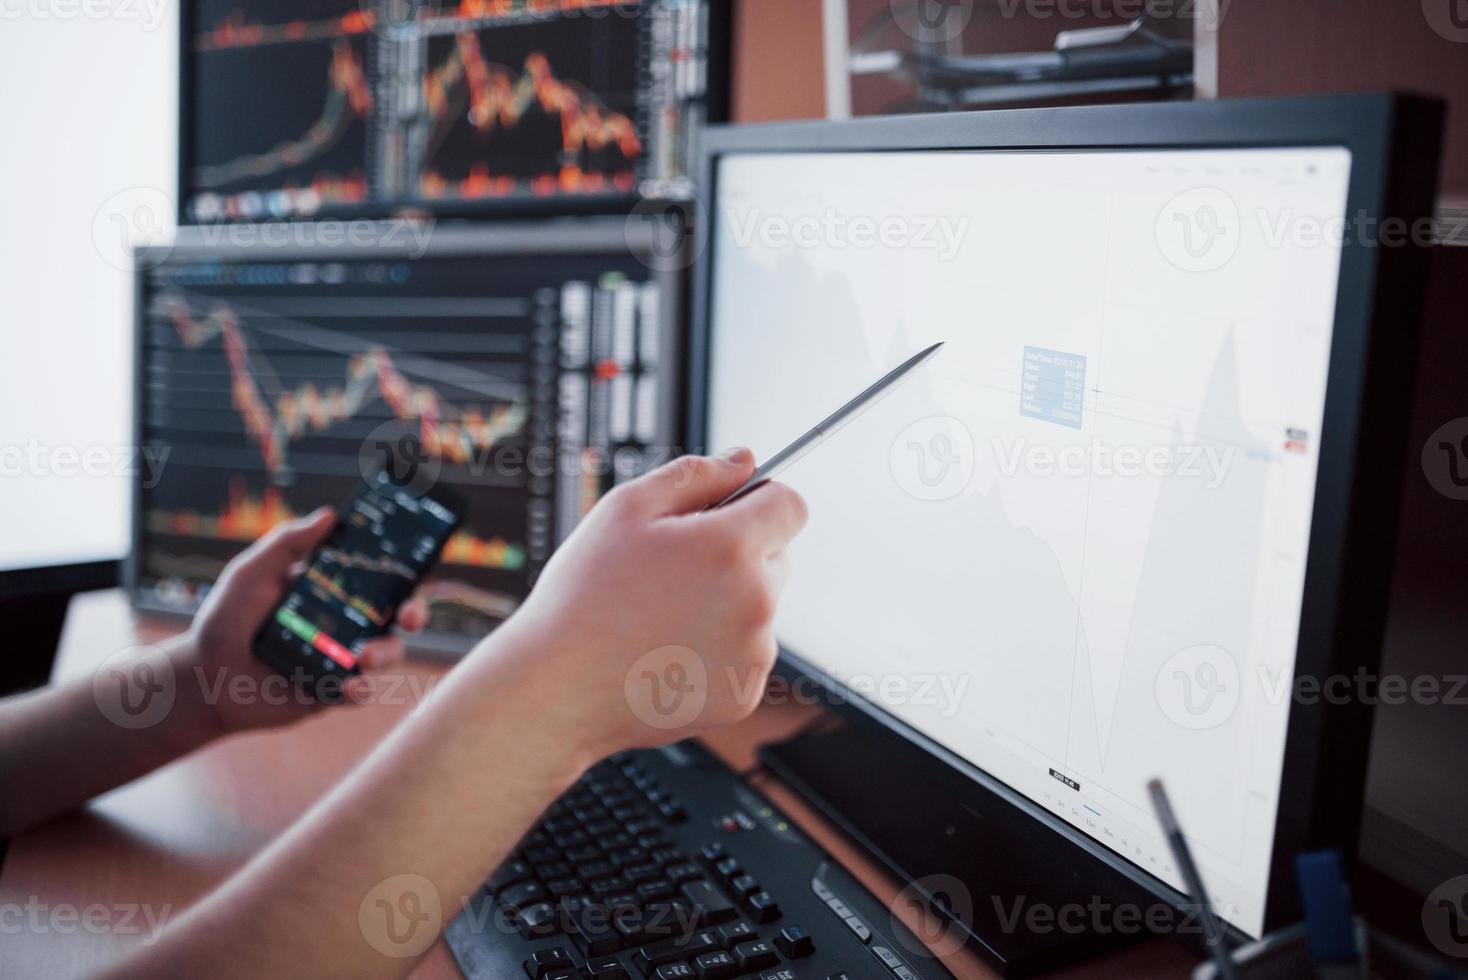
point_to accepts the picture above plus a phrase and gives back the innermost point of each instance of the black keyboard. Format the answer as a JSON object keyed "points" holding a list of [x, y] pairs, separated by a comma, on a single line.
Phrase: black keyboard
{"points": [[665, 865]]}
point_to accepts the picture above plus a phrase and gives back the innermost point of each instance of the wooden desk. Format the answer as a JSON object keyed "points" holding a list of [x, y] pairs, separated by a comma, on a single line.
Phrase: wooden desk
{"points": [[153, 847]]}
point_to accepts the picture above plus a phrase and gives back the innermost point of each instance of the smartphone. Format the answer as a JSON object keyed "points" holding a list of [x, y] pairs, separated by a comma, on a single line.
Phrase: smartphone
{"points": [[386, 538]]}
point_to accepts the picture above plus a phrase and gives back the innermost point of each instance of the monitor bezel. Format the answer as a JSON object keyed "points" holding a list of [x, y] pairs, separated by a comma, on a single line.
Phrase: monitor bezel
{"points": [[594, 235], [1394, 141], [717, 100]]}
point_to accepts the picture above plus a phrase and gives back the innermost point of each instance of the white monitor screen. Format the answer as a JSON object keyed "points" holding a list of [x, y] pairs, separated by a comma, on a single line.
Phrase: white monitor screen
{"points": [[1071, 549]]}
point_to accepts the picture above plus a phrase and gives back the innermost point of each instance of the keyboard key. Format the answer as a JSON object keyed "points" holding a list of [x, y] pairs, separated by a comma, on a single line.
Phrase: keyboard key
{"points": [[673, 811], [561, 887], [605, 887], [606, 968], [542, 855], [669, 855], [859, 928], [795, 942], [592, 870], [509, 873], [654, 891], [728, 868], [562, 973], [554, 869], [674, 971], [735, 933], [537, 920], [710, 907], [627, 855], [716, 966], [889, 959], [744, 886], [517, 897], [763, 907], [679, 873], [544, 960], [593, 933], [755, 955], [683, 948], [712, 853], [783, 973], [583, 855]]}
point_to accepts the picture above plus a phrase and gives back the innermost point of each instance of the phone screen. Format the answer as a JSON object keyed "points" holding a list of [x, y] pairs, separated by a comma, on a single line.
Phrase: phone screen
{"points": [[385, 539]]}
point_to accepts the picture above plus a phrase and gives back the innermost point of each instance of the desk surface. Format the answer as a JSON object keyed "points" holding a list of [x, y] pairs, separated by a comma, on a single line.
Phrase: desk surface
{"points": [[93, 881]]}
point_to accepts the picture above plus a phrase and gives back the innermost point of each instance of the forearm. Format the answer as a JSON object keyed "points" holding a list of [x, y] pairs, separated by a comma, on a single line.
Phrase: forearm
{"points": [[431, 812], [64, 744]]}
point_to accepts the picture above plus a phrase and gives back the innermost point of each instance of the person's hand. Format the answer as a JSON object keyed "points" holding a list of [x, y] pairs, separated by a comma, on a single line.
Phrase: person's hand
{"points": [[652, 622], [224, 630]]}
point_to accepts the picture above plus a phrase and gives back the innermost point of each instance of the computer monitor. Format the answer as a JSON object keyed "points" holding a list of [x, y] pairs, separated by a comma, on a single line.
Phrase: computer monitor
{"points": [[1149, 482], [526, 367], [373, 106]]}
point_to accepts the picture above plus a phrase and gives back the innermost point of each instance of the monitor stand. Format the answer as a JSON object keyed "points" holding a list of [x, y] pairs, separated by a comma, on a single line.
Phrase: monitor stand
{"points": [[1036, 901]]}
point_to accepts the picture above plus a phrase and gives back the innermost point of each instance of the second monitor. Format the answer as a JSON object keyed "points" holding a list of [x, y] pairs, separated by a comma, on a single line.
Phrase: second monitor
{"points": [[526, 367]]}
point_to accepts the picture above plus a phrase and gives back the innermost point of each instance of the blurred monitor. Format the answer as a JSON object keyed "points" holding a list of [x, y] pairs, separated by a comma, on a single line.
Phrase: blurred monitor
{"points": [[524, 367]]}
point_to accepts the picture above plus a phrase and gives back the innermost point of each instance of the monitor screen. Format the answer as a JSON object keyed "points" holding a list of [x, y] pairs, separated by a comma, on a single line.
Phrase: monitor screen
{"points": [[296, 108], [525, 376], [1071, 550]]}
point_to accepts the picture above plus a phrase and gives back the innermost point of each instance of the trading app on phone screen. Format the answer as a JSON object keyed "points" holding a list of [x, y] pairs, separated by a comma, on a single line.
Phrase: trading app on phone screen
{"points": [[375, 555]]}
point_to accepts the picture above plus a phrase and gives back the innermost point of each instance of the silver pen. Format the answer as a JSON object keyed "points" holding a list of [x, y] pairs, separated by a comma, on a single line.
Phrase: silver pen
{"points": [[827, 426]]}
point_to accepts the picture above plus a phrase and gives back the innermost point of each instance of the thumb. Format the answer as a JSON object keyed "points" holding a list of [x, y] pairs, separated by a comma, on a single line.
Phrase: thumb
{"points": [[286, 544], [692, 483]]}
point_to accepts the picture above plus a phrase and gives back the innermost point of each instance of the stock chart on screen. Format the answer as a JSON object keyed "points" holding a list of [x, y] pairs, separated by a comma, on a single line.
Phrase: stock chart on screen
{"points": [[528, 383], [294, 109]]}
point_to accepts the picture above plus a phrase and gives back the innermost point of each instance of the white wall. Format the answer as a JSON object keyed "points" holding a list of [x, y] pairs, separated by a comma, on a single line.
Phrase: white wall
{"points": [[88, 94]]}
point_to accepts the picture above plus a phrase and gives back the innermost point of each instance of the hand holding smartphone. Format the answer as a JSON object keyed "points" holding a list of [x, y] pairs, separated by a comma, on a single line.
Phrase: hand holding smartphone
{"points": [[386, 538]]}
